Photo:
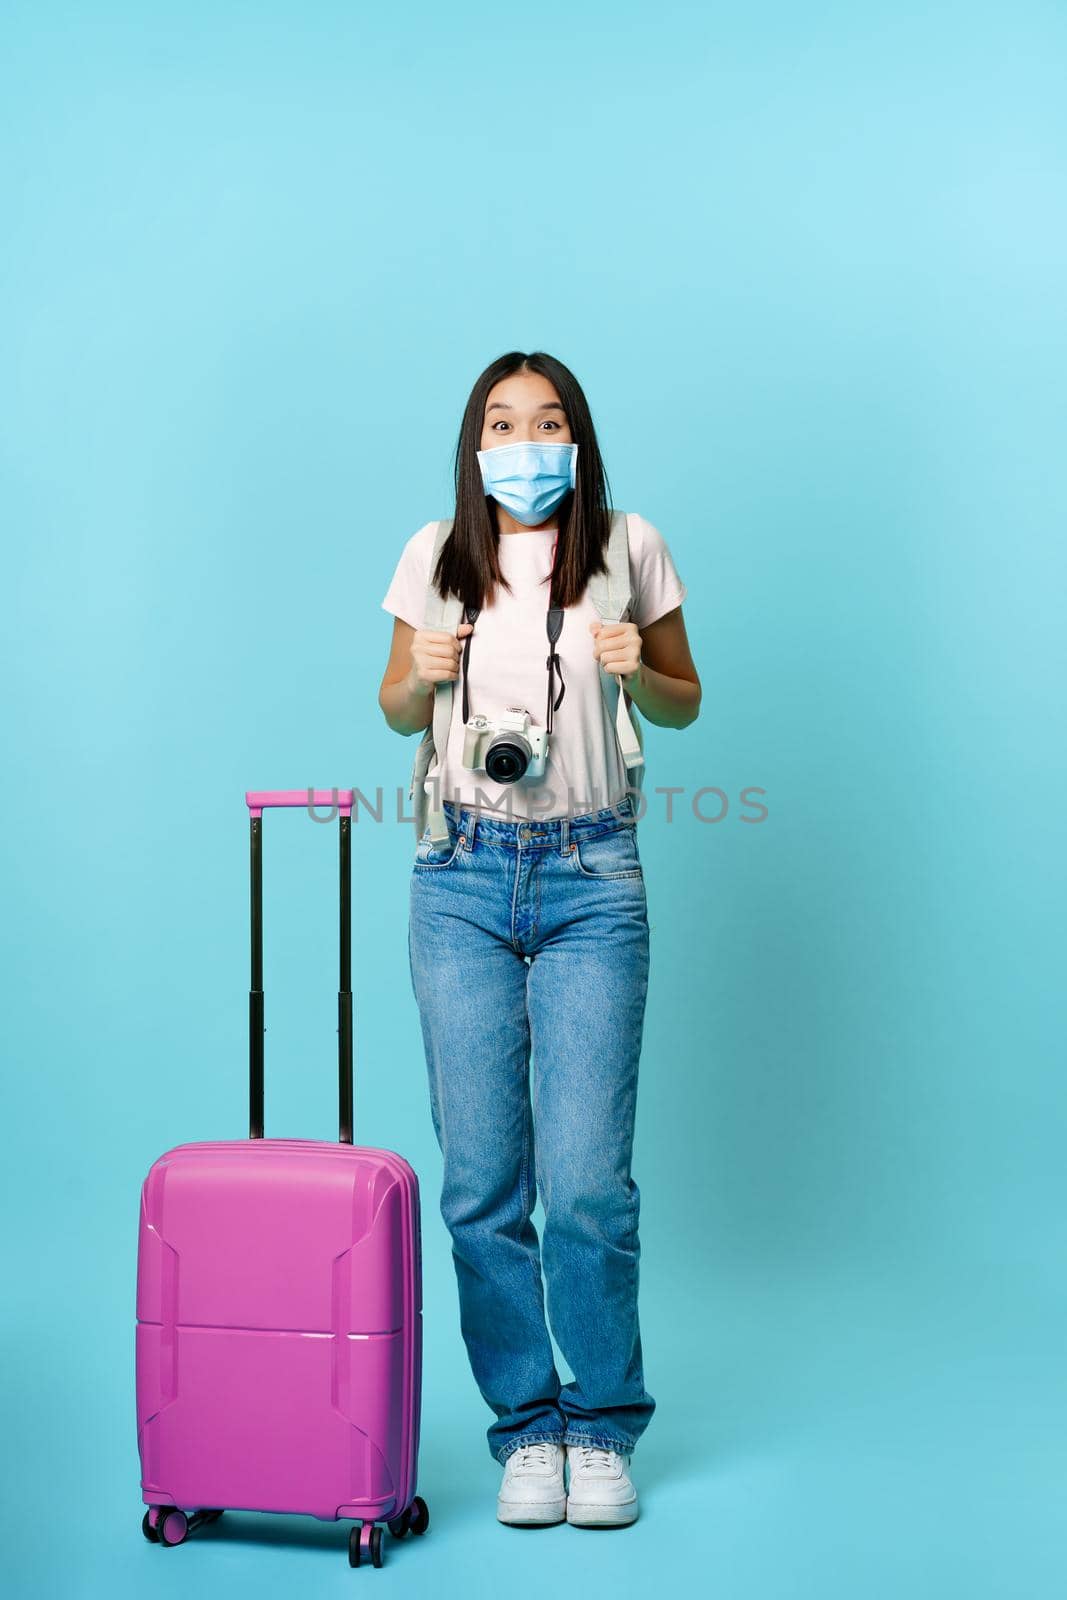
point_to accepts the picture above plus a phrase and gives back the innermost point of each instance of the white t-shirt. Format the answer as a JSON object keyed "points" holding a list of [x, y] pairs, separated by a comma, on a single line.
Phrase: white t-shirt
{"points": [[508, 655]]}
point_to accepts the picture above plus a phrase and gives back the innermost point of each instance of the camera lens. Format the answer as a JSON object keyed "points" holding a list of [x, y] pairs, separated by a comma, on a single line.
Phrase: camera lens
{"points": [[507, 758]]}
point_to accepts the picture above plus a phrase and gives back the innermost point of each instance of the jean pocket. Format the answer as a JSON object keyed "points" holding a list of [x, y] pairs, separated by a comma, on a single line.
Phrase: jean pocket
{"points": [[438, 855], [607, 855]]}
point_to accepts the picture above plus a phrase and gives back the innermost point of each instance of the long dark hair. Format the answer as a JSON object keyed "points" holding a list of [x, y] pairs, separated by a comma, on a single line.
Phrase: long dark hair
{"points": [[469, 565]]}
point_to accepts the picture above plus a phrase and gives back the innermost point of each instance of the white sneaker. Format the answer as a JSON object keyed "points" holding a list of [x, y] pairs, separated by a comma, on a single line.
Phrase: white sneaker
{"points": [[532, 1488], [600, 1494]]}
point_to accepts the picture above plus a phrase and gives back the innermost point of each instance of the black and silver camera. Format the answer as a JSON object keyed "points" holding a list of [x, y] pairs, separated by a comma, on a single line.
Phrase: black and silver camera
{"points": [[508, 749]]}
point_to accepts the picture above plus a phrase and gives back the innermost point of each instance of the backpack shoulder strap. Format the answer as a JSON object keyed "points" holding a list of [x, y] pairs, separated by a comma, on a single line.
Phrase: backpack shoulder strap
{"points": [[610, 590], [441, 612], [612, 595]]}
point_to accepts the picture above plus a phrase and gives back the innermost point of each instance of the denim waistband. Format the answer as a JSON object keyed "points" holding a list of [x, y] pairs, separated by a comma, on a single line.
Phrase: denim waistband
{"points": [[539, 833]]}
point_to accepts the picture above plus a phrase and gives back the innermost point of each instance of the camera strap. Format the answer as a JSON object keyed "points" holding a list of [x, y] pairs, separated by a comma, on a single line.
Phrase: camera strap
{"points": [[554, 627], [554, 624], [470, 615]]}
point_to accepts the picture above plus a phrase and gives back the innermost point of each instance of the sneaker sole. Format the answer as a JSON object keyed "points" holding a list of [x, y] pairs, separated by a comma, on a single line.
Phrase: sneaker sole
{"points": [[516, 1512], [612, 1516]]}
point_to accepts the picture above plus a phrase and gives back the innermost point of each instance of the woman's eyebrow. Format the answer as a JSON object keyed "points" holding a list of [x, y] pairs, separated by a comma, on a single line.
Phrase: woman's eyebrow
{"points": [[502, 405]]}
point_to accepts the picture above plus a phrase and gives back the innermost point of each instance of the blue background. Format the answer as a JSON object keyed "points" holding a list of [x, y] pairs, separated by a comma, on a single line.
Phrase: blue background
{"points": [[808, 263]]}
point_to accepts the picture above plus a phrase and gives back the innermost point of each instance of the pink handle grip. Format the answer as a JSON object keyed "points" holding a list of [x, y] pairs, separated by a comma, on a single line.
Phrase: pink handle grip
{"points": [[257, 800]]}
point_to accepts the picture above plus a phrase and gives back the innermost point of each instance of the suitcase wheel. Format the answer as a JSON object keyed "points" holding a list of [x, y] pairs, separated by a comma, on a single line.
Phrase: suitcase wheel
{"points": [[415, 1518], [172, 1527], [167, 1525], [365, 1543]]}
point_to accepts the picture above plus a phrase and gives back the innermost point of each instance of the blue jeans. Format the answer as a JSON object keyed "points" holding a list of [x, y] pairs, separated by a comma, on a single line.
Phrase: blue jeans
{"points": [[530, 939]]}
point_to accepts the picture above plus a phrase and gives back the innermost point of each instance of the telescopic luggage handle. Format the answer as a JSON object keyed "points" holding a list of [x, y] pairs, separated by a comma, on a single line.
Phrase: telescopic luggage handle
{"points": [[257, 802]]}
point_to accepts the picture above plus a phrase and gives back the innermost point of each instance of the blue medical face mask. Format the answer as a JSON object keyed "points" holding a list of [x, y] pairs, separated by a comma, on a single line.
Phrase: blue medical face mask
{"points": [[530, 477]]}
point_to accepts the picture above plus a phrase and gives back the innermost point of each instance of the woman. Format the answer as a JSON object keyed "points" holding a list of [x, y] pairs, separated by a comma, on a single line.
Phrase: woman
{"points": [[528, 932]]}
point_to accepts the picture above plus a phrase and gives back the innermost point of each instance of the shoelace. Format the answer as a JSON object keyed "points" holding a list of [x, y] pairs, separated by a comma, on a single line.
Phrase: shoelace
{"points": [[590, 1455], [528, 1453]]}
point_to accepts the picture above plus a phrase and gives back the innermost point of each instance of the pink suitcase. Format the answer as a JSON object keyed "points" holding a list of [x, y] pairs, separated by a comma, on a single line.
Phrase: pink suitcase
{"points": [[279, 1305]]}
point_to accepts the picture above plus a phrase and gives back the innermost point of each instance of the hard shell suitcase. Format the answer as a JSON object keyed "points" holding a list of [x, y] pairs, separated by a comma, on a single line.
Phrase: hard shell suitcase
{"points": [[279, 1305]]}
